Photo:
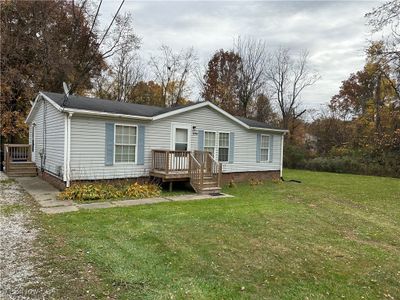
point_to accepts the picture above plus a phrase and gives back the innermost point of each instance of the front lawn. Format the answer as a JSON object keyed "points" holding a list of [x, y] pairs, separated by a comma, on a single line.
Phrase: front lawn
{"points": [[332, 236]]}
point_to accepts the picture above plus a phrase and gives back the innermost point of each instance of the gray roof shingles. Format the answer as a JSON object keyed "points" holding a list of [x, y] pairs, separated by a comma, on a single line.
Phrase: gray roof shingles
{"points": [[109, 106]]}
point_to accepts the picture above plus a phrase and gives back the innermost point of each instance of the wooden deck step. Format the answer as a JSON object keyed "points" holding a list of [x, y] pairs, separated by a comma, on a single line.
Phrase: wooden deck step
{"points": [[22, 169], [210, 190]]}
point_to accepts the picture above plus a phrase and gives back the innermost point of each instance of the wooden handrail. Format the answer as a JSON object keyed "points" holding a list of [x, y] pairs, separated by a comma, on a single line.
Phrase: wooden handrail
{"points": [[16, 153], [196, 173], [196, 165], [214, 168], [169, 161]]}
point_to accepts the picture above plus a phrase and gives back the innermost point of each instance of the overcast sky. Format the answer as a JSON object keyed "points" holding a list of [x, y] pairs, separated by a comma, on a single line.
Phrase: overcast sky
{"points": [[334, 32]]}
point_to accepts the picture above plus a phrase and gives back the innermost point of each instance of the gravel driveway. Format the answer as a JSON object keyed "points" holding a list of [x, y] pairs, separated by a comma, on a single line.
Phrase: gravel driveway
{"points": [[19, 250]]}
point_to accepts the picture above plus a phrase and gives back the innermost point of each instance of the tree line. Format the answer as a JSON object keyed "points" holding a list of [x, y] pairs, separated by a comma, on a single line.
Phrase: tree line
{"points": [[46, 43], [359, 131]]}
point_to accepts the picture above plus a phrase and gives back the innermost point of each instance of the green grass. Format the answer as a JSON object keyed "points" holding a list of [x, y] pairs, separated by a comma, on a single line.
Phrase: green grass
{"points": [[332, 236]]}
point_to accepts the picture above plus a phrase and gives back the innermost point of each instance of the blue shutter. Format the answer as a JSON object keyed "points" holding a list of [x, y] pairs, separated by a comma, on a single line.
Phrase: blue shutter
{"points": [[231, 147], [271, 147], [258, 145], [140, 145], [200, 143], [109, 157]]}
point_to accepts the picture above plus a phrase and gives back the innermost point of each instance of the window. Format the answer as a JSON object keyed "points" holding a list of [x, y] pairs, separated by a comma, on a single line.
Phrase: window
{"points": [[209, 142], [223, 146], [217, 141], [181, 139], [125, 143], [264, 148]]}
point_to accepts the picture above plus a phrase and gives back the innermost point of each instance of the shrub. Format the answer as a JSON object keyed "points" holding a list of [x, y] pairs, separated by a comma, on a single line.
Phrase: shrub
{"points": [[104, 191], [357, 165], [294, 156], [146, 190]]}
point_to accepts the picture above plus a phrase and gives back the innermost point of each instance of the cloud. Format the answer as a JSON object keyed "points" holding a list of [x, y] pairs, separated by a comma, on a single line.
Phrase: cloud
{"points": [[334, 32]]}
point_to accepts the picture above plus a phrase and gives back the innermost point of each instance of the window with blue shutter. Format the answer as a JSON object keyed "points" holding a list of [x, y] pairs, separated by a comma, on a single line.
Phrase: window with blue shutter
{"points": [[200, 142], [231, 147], [141, 140], [258, 144], [109, 144]]}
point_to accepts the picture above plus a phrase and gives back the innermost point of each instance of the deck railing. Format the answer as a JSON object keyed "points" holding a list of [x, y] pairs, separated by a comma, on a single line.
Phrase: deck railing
{"points": [[213, 168], [196, 172], [196, 165], [16, 153], [170, 161]]}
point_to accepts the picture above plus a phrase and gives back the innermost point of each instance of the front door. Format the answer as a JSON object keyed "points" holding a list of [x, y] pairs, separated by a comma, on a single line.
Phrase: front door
{"points": [[180, 142]]}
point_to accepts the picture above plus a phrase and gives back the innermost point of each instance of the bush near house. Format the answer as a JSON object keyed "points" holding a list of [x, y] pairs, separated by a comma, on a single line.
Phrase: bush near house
{"points": [[107, 191]]}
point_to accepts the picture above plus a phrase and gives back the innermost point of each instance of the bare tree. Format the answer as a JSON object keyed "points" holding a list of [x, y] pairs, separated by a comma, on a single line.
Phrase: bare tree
{"points": [[120, 80], [288, 76], [129, 70], [117, 37], [254, 59], [172, 71]]}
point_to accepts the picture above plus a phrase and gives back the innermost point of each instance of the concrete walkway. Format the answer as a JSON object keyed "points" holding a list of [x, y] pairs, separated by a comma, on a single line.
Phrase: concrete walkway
{"points": [[46, 195]]}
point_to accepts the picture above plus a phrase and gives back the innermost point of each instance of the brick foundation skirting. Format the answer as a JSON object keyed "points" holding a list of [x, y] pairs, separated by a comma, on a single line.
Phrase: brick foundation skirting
{"points": [[52, 179], [226, 178], [115, 180], [246, 176]]}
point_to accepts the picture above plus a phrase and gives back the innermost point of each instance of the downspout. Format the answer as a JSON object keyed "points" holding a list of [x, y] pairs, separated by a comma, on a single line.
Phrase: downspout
{"points": [[67, 149], [65, 146]]}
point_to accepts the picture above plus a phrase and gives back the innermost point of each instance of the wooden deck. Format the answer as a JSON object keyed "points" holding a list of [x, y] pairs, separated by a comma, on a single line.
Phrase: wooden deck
{"points": [[18, 160], [197, 167]]}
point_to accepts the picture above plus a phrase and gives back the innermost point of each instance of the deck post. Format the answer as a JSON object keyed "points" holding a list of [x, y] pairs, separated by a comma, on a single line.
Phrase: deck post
{"points": [[6, 157], [166, 162], [30, 153], [170, 186], [219, 174], [201, 176]]}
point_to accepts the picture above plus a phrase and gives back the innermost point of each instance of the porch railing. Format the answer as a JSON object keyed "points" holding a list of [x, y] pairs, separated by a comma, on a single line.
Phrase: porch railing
{"points": [[197, 165], [170, 161], [16, 153], [213, 168], [196, 172]]}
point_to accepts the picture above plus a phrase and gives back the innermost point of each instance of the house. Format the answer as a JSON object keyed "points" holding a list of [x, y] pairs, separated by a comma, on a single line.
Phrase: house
{"points": [[79, 138]]}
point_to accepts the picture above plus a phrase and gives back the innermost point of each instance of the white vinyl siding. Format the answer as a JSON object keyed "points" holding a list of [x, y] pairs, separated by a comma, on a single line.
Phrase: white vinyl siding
{"points": [[49, 137], [88, 144], [125, 144], [264, 148]]}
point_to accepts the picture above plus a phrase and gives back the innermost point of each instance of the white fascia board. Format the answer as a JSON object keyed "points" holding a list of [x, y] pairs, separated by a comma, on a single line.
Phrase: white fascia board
{"points": [[226, 114], [27, 120], [58, 107], [213, 106], [180, 110], [161, 116], [105, 114], [92, 112], [196, 106], [283, 131]]}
